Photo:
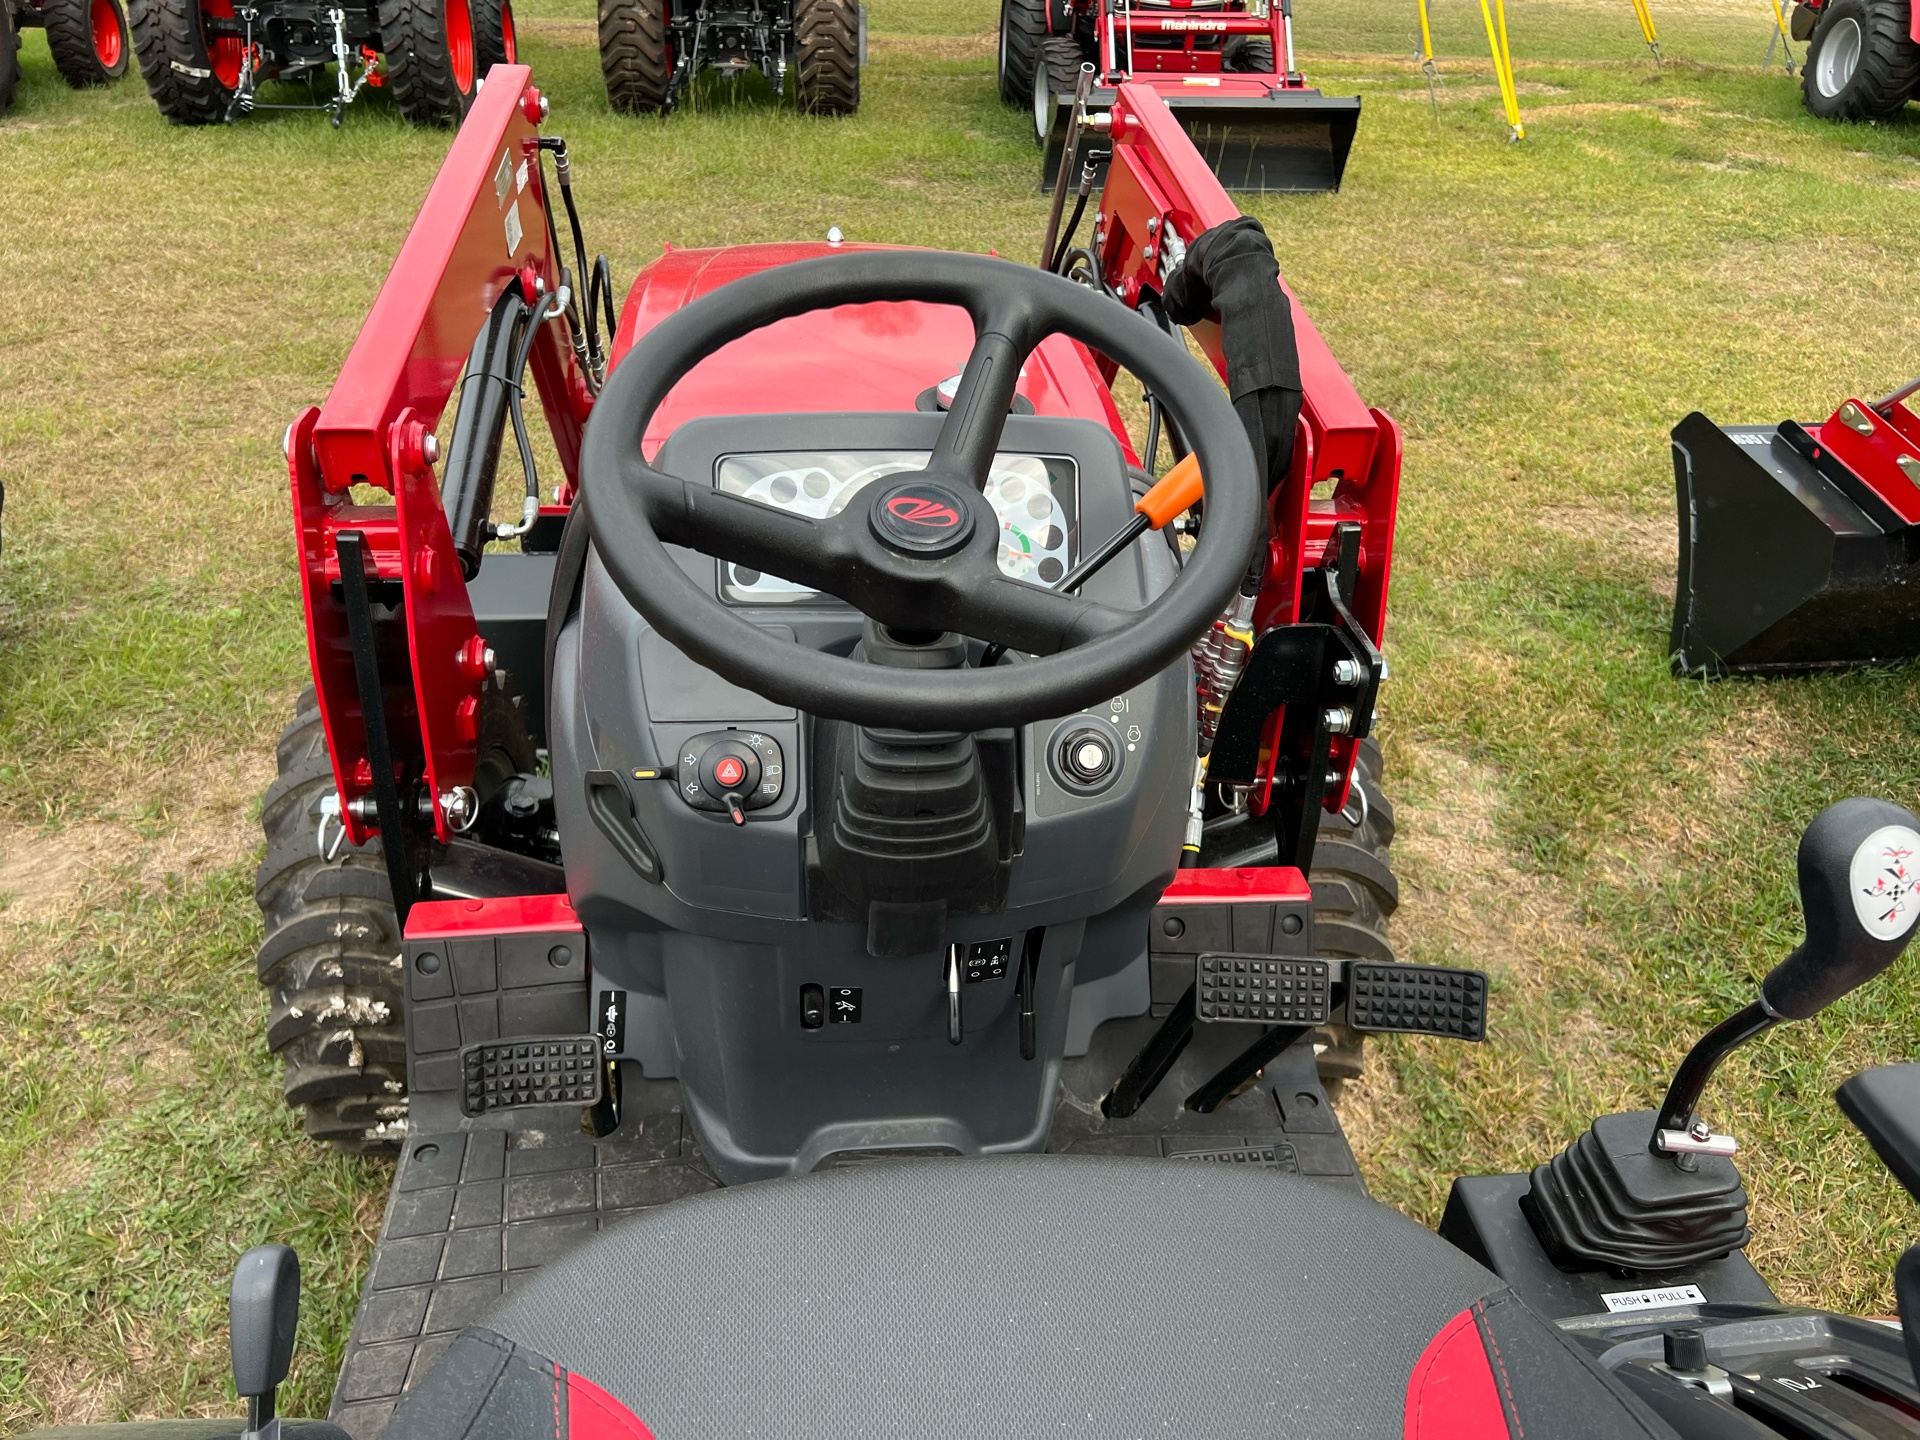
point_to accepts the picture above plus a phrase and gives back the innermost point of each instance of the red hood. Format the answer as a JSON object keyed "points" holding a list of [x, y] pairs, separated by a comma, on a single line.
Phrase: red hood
{"points": [[852, 358]]}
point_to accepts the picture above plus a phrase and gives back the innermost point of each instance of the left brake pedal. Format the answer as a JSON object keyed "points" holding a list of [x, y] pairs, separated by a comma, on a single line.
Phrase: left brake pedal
{"points": [[1417, 1000]]}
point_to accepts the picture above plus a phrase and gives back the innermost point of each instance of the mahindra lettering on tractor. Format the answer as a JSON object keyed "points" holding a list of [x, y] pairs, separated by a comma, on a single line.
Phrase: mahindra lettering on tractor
{"points": [[1225, 68], [87, 38], [205, 60]]}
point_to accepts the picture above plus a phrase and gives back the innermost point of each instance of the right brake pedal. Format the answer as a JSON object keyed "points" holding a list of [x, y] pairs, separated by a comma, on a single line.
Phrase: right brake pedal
{"points": [[1417, 1000]]}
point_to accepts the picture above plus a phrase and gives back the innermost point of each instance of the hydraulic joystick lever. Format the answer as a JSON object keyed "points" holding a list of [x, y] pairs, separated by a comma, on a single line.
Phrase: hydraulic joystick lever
{"points": [[1657, 1190], [263, 1311]]}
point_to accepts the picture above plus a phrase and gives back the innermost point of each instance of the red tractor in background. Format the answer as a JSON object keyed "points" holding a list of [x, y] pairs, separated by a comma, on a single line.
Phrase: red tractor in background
{"points": [[205, 60], [87, 38], [1863, 57], [1225, 68]]}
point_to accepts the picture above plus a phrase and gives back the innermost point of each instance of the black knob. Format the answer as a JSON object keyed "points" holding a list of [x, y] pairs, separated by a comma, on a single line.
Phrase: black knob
{"points": [[1860, 891], [1087, 756], [1686, 1350], [813, 1007]]}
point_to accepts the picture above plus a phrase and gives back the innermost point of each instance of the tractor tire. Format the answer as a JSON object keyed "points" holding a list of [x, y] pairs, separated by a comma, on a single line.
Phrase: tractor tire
{"points": [[1023, 25], [9, 57], [636, 58], [1354, 891], [191, 76], [827, 72], [1861, 63], [1247, 55], [330, 960], [432, 52], [89, 41], [494, 39], [1057, 72]]}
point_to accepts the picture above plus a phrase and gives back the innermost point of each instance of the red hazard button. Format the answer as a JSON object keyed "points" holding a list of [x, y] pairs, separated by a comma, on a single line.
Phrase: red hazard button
{"points": [[730, 772], [730, 768]]}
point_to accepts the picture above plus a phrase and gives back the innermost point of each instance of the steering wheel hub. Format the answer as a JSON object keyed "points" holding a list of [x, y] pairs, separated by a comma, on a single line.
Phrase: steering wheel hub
{"points": [[922, 517]]}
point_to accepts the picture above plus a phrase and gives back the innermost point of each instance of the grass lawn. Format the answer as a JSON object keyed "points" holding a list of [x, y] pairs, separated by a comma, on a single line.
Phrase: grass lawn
{"points": [[1614, 845]]}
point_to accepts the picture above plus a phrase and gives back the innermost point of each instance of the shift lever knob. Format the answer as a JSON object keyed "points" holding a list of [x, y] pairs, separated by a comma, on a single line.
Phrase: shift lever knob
{"points": [[263, 1313], [1860, 891]]}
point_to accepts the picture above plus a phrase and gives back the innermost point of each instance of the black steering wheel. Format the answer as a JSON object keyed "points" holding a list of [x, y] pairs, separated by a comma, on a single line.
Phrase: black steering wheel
{"points": [[914, 552]]}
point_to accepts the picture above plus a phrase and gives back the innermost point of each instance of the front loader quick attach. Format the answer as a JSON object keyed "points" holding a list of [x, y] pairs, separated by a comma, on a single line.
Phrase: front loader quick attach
{"points": [[1799, 544]]}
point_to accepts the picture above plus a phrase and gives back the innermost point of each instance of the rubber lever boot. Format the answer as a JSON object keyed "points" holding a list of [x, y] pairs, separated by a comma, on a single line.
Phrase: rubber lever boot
{"points": [[263, 1311]]}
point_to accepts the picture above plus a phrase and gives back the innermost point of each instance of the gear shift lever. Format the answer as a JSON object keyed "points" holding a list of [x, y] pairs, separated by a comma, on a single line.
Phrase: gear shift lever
{"points": [[1648, 1191]]}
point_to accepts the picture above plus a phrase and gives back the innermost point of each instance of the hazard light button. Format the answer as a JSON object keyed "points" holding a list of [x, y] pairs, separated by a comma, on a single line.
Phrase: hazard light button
{"points": [[730, 772]]}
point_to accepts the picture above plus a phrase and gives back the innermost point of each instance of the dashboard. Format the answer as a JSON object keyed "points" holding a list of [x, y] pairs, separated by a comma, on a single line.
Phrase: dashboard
{"points": [[1036, 498]]}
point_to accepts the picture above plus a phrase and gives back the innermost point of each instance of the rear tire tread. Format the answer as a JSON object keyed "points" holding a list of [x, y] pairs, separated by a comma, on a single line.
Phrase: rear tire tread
{"points": [[172, 51], [633, 56], [70, 40], [1889, 69], [1023, 25], [419, 61], [827, 45]]}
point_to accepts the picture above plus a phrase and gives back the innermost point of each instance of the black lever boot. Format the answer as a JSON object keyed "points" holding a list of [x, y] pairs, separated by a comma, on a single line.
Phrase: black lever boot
{"points": [[1653, 1191]]}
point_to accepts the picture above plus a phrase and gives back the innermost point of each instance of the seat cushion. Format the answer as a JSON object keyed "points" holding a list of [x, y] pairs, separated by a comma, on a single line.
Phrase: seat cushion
{"points": [[1040, 1295]]}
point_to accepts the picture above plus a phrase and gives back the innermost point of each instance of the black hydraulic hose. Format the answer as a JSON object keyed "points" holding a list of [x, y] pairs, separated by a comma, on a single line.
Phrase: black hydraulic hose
{"points": [[489, 390]]}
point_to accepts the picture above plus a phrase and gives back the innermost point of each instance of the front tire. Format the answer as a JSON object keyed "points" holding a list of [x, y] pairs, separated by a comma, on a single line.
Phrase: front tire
{"points": [[1247, 55], [1057, 72], [636, 58], [1861, 62], [89, 41], [191, 67], [494, 39], [330, 959], [1023, 25], [827, 37], [432, 59]]}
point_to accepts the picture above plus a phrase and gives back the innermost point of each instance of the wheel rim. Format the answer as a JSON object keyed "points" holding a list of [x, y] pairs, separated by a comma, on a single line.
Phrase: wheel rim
{"points": [[507, 42], [1839, 57], [109, 45], [1042, 101], [225, 52], [460, 44]]}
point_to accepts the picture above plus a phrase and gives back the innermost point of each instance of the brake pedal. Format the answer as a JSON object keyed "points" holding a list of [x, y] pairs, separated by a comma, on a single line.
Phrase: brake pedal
{"points": [[1261, 989], [530, 1070], [1417, 1000]]}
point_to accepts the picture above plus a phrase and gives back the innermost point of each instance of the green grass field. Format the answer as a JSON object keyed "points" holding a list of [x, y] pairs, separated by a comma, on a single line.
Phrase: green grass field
{"points": [[1614, 845]]}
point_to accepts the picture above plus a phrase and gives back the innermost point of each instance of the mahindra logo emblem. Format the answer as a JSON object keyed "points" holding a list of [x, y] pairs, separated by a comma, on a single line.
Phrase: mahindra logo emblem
{"points": [[916, 510]]}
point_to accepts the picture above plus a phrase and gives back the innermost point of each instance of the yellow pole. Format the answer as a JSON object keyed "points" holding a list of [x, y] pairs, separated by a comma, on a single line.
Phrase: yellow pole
{"points": [[1645, 15], [1503, 65], [1427, 67], [1779, 19]]}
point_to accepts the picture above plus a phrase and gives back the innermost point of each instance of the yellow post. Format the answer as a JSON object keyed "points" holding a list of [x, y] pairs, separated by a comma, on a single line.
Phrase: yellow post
{"points": [[1645, 15], [1427, 67], [1503, 65], [1779, 20]]}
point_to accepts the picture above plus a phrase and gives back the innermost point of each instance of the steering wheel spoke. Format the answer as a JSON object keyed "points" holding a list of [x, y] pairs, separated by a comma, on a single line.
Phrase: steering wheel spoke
{"points": [[1039, 621], [820, 554], [971, 433]]}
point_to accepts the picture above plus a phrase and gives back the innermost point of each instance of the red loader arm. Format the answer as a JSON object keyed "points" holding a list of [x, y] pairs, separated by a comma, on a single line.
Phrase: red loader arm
{"points": [[1157, 184], [483, 225]]}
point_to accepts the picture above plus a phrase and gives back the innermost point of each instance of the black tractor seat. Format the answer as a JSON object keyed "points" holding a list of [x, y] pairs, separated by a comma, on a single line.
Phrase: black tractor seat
{"points": [[1019, 1296]]}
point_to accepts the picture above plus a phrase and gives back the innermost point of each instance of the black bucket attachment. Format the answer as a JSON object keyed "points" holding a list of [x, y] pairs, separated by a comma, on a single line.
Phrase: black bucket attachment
{"points": [[1788, 560], [1289, 142]]}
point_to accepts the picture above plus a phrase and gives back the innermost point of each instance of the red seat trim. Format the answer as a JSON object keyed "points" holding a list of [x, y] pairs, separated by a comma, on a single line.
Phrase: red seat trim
{"points": [[1451, 1394]]}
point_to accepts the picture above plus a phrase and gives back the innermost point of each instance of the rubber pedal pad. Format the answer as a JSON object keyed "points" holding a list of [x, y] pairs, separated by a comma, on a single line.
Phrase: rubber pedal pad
{"points": [[1417, 1000], [1260, 990], [1259, 1157], [530, 1070]]}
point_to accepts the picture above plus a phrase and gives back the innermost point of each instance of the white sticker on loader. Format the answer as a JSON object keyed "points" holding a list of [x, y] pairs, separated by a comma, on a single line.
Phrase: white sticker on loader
{"points": [[1656, 1298], [520, 178], [1883, 878], [513, 229]]}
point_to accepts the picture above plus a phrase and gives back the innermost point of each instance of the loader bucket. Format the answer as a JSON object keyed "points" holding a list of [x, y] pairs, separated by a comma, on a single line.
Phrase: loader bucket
{"points": [[1788, 561], [1280, 141]]}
